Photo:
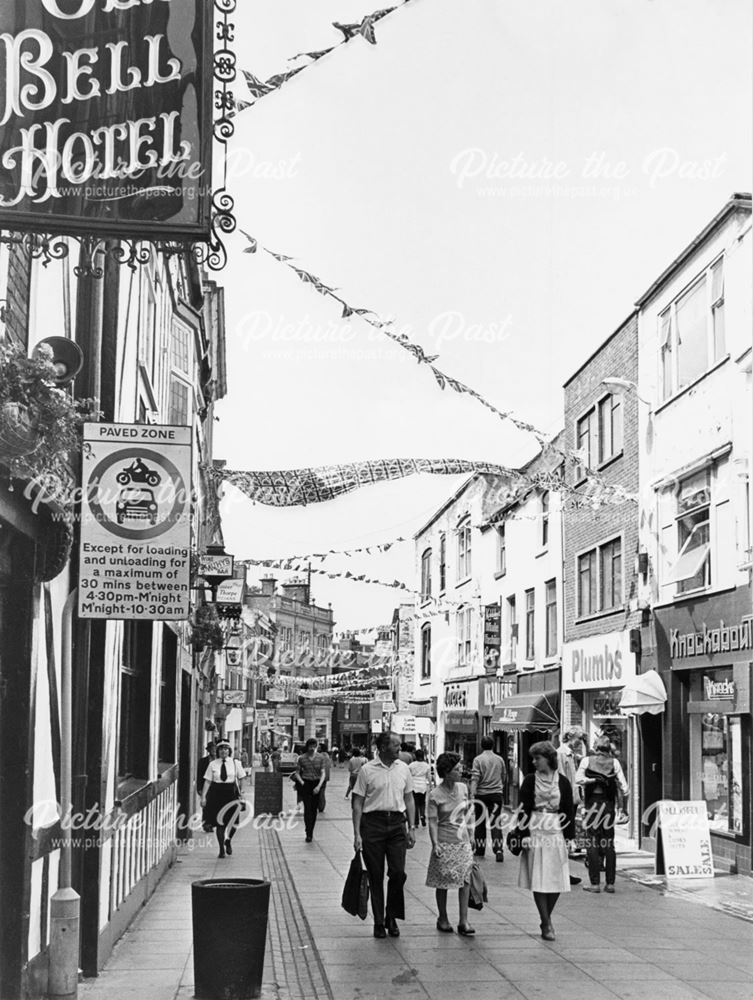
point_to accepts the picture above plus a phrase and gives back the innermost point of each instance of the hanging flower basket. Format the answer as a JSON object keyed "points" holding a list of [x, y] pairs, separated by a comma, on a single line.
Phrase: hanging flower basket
{"points": [[19, 434]]}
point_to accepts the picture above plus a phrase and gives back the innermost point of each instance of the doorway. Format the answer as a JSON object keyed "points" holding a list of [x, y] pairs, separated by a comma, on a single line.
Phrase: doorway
{"points": [[186, 766], [651, 773]]}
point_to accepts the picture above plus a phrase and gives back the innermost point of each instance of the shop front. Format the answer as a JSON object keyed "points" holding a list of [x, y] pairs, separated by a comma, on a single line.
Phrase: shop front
{"points": [[519, 721], [706, 649], [595, 670], [460, 719]]}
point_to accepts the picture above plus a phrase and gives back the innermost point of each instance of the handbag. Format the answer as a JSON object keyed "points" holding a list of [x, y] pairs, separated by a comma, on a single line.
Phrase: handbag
{"points": [[355, 897], [242, 804], [478, 894], [514, 845]]}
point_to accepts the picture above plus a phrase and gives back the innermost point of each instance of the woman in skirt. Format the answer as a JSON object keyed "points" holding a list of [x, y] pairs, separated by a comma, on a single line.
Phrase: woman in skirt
{"points": [[450, 823], [220, 795], [546, 820]]}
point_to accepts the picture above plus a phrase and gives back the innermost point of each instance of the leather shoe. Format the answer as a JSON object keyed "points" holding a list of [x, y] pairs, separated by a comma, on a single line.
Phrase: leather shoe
{"points": [[392, 929], [591, 888], [445, 928], [500, 856], [609, 888], [228, 847], [574, 880], [379, 931], [547, 932]]}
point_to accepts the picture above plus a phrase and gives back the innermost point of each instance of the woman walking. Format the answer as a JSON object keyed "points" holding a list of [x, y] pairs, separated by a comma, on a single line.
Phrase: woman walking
{"points": [[220, 795], [421, 773], [450, 825], [546, 819]]}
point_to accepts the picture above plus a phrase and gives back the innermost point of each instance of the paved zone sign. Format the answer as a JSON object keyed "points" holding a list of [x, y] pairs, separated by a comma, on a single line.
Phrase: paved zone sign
{"points": [[135, 522]]}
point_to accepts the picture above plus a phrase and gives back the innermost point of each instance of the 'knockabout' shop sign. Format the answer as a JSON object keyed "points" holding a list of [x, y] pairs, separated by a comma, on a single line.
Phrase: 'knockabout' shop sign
{"points": [[135, 522]]}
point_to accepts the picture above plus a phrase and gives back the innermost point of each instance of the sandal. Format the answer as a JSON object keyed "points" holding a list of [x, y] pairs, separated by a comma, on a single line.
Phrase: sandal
{"points": [[447, 927], [466, 930]]}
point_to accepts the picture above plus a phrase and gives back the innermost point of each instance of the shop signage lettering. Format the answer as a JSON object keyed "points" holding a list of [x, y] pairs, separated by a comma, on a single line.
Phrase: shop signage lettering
{"points": [[724, 639], [492, 636], [455, 697], [105, 116], [683, 843], [718, 690], [606, 666]]}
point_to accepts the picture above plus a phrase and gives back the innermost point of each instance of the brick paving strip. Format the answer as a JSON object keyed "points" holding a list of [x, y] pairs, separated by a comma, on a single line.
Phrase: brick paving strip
{"points": [[296, 963]]}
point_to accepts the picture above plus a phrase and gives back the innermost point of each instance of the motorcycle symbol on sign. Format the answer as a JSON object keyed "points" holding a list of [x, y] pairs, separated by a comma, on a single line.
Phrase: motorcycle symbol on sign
{"points": [[138, 472]]}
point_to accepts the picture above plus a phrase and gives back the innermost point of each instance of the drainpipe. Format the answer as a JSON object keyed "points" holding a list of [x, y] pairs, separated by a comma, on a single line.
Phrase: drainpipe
{"points": [[66, 902]]}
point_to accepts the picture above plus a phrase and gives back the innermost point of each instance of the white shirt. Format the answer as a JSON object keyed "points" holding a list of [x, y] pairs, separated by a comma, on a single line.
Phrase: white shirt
{"points": [[420, 772], [383, 788], [234, 771], [580, 777]]}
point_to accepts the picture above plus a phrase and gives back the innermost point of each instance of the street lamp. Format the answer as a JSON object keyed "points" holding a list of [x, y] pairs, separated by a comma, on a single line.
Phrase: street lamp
{"points": [[624, 385]]}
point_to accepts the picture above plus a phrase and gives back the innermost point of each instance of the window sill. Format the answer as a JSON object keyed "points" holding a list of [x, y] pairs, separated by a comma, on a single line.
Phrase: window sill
{"points": [[425, 601], [462, 583], [617, 610], [691, 385], [500, 573], [541, 552], [693, 595], [608, 461]]}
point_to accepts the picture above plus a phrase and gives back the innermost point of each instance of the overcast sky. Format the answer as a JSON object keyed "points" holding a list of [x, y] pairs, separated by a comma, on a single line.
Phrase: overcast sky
{"points": [[502, 178]]}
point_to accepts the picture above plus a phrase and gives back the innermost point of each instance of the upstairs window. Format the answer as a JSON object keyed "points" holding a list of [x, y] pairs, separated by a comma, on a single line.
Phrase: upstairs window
{"points": [[545, 519], [550, 592], [426, 652], [599, 578], [442, 563], [530, 624], [426, 575], [692, 331], [501, 550], [599, 434], [464, 636], [464, 549]]}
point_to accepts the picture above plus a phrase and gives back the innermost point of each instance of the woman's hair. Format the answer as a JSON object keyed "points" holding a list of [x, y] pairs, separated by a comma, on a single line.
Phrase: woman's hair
{"points": [[446, 762], [418, 754], [545, 749]]}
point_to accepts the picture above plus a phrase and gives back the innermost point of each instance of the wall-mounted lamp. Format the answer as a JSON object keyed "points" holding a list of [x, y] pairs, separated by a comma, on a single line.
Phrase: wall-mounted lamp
{"points": [[624, 385]]}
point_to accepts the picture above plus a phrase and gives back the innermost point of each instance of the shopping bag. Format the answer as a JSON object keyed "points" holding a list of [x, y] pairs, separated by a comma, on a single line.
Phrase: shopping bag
{"points": [[478, 895], [321, 801], [355, 898]]}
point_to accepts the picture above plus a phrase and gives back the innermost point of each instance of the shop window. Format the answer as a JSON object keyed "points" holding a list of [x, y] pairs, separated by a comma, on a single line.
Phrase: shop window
{"points": [[697, 543], [530, 624], [464, 549], [442, 563], [551, 617], [426, 575], [691, 331], [426, 652], [599, 573], [721, 771]]}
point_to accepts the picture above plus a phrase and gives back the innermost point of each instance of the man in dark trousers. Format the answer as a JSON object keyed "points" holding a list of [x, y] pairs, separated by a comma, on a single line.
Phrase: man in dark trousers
{"points": [[488, 774], [600, 776], [310, 775], [211, 753], [382, 797]]}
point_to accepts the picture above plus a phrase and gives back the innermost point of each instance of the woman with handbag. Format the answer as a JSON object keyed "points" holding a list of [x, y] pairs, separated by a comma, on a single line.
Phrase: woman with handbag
{"points": [[221, 794], [546, 820], [450, 824]]}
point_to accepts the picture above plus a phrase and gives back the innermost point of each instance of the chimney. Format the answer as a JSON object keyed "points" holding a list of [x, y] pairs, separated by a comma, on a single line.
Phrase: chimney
{"points": [[268, 586]]}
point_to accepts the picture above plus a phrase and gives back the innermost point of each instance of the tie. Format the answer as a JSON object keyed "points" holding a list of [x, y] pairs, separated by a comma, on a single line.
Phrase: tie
{"points": [[223, 772]]}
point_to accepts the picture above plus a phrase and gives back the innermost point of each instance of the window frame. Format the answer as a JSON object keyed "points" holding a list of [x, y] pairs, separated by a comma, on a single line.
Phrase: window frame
{"points": [[464, 635], [511, 604], [426, 651], [669, 335], [545, 519], [550, 618], [442, 562], [594, 554], [501, 549], [597, 457], [530, 596], [426, 575], [464, 568]]}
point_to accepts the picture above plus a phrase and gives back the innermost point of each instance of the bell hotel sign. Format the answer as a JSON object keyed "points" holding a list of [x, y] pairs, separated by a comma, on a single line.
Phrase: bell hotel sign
{"points": [[105, 117]]}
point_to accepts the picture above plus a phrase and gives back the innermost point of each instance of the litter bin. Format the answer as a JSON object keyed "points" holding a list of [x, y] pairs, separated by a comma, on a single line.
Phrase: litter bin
{"points": [[229, 936]]}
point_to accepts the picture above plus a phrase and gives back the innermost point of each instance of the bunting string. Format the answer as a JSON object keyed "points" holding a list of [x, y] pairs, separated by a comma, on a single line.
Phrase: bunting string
{"points": [[365, 28]]}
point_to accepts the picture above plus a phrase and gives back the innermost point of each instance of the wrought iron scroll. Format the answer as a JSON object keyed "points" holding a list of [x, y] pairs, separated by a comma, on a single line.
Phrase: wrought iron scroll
{"points": [[48, 248], [223, 221]]}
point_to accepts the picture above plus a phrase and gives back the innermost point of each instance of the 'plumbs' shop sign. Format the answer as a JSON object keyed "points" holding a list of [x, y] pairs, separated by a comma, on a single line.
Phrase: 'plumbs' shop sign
{"points": [[105, 116]]}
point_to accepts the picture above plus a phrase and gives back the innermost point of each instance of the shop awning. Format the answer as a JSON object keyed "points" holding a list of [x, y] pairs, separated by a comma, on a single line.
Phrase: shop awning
{"points": [[644, 693], [535, 710]]}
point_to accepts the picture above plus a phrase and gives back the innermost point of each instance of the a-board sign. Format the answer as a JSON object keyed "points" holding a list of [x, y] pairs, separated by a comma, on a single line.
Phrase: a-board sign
{"points": [[267, 793], [135, 522], [683, 842]]}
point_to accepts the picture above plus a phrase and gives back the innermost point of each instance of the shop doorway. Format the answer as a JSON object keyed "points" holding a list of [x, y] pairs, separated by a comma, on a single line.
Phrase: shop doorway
{"points": [[651, 772], [186, 767]]}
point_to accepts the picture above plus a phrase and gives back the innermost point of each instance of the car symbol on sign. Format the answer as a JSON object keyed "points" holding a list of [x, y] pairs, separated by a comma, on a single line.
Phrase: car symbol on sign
{"points": [[136, 504]]}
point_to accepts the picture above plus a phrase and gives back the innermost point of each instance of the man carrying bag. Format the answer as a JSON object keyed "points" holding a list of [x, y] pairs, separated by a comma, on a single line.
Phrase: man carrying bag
{"points": [[355, 899]]}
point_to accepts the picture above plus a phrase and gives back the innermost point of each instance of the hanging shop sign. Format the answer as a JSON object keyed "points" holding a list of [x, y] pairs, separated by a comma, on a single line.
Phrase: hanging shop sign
{"points": [[461, 695], [231, 592], [683, 842], [233, 697], [262, 718], [106, 117], [492, 636], [599, 661], [233, 656], [215, 565], [135, 522]]}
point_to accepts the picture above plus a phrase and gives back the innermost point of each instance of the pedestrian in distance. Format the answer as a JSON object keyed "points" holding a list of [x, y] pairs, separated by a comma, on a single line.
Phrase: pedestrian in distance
{"points": [[275, 759], [601, 778], [451, 859], [568, 757], [335, 755], [211, 753], [546, 820], [488, 776], [406, 754], [382, 798], [220, 796], [309, 776], [355, 764], [421, 774], [327, 773]]}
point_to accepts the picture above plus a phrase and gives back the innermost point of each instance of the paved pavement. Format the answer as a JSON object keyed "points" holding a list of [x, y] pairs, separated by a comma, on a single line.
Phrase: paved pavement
{"points": [[637, 943]]}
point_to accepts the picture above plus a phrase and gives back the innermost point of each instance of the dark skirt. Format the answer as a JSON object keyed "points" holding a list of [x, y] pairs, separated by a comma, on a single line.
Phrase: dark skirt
{"points": [[219, 796]]}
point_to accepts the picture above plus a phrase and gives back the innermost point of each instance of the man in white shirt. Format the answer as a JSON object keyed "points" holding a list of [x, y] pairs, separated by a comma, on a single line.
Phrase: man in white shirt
{"points": [[600, 776], [382, 795]]}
